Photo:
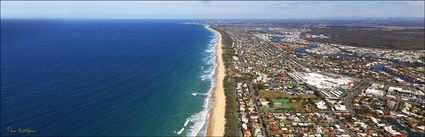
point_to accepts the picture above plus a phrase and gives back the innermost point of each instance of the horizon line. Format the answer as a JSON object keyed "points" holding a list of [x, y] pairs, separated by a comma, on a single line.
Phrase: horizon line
{"points": [[316, 18]]}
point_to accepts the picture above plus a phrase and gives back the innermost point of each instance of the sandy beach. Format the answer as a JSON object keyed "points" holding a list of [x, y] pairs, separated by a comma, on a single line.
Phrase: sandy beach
{"points": [[217, 119]]}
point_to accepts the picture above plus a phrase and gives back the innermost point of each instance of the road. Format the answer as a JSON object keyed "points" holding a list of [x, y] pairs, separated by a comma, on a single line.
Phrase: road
{"points": [[260, 112], [355, 92]]}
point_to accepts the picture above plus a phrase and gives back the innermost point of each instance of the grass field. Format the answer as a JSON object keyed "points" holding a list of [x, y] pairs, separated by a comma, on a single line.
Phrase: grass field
{"points": [[281, 104], [284, 101]]}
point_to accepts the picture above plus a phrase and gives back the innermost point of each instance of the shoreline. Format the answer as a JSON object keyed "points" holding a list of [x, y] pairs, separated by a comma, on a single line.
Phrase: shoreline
{"points": [[216, 119]]}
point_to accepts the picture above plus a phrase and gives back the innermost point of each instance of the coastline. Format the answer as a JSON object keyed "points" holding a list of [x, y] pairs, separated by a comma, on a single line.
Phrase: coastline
{"points": [[216, 119]]}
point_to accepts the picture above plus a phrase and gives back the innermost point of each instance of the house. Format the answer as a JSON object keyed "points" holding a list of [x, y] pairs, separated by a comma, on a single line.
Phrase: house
{"points": [[247, 133], [391, 89], [309, 92], [264, 102]]}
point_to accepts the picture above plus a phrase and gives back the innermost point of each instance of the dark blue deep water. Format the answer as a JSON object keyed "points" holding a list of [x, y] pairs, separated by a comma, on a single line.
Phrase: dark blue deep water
{"points": [[102, 77]]}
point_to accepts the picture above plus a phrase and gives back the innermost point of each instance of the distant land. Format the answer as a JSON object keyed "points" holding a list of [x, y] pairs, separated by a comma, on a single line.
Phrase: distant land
{"points": [[387, 33], [393, 34]]}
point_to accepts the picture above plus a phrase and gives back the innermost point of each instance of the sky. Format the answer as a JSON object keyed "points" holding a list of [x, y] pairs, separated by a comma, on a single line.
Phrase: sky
{"points": [[209, 9]]}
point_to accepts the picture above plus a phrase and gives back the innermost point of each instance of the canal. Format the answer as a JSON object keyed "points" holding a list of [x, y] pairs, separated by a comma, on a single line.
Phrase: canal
{"points": [[410, 133], [303, 50], [380, 67]]}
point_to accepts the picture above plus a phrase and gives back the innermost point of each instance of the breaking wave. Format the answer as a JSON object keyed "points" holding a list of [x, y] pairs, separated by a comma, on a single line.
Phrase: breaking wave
{"points": [[199, 120], [201, 94], [184, 125]]}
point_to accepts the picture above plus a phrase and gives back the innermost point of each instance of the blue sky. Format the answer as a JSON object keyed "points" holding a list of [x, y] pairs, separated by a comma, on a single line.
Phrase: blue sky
{"points": [[209, 9]]}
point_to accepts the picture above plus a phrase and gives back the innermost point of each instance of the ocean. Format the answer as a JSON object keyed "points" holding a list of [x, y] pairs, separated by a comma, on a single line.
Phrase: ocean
{"points": [[105, 77]]}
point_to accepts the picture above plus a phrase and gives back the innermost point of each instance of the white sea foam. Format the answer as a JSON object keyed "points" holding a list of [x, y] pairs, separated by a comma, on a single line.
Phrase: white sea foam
{"points": [[210, 60], [199, 120], [194, 94], [202, 94], [187, 122], [184, 125], [180, 131], [208, 74]]}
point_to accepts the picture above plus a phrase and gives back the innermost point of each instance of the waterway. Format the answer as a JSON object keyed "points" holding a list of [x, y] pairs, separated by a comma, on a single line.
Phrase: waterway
{"points": [[271, 31], [303, 50], [277, 39], [410, 133], [380, 67]]}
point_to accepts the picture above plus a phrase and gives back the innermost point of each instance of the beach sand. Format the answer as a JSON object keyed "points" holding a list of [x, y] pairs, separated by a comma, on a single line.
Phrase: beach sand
{"points": [[216, 118]]}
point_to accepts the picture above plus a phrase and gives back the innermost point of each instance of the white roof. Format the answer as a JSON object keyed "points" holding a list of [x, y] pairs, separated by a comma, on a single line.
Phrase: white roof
{"points": [[322, 81]]}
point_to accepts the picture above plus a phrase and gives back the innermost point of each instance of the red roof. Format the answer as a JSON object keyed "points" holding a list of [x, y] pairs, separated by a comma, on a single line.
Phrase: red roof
{"points": [[274, 129], [246, 132], [401, 135]]}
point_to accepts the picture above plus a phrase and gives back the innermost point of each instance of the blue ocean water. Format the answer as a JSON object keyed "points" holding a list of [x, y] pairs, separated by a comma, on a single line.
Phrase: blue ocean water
{"points": [[104, 77]]}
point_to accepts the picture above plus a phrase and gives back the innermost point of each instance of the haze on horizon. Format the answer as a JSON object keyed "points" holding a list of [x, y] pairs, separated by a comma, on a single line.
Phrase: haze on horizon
{"points": [[209, 9]]}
